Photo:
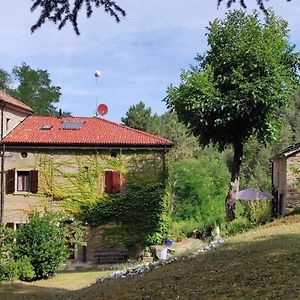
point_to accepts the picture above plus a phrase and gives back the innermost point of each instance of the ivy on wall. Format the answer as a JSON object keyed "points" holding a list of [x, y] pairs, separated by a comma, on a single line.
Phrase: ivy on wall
{"points": [[140, 215], [76, 182]]}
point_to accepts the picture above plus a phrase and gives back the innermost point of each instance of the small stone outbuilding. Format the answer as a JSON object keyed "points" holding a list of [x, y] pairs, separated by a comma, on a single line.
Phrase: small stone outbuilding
{"points": [[286, 180]]}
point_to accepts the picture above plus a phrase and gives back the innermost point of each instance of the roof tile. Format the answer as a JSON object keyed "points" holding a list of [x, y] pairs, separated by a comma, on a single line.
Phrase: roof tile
{"points": [[10, 100], [94, 131]]}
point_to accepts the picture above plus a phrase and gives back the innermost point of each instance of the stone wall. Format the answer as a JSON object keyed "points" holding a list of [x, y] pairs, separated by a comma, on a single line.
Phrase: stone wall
{"points": [[18, 204], [293, 181], [11, 119]]}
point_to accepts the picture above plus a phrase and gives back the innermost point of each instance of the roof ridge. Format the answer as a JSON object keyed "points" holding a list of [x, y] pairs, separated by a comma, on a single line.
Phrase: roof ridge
{"points": [[139, 131], [10, 99]]}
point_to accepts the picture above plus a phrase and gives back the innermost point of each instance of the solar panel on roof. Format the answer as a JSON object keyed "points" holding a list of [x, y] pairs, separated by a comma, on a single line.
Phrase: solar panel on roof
{"points": [[71, 124], [46, 127]]}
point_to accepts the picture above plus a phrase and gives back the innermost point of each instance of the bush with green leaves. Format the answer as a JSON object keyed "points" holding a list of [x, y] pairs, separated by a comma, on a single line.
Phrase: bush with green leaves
{"points": [[8, 268], [43, 242], [199, 188]]}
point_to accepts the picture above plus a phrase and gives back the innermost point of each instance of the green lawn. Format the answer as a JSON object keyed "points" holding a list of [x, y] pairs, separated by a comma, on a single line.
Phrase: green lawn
{"points": [[59, 284], [261, 264]]}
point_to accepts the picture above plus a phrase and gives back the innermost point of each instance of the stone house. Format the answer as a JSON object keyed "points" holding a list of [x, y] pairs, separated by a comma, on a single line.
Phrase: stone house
{"points": [[41, 154], [286, 180]]}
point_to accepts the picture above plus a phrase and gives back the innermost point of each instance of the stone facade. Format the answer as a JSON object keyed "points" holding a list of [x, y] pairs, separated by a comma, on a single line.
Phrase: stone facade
{"points": [[286, 179], [19, 203], [11, 118]]}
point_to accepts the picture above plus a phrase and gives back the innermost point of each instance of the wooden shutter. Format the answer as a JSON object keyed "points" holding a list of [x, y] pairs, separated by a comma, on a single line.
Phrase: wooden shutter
{"points": [[108, 182], [112, 182], [116, 182], [34, 179], [10, 181]]}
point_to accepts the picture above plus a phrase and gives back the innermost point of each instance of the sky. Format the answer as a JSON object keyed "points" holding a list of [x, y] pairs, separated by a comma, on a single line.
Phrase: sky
{"points": [[138, 58]]}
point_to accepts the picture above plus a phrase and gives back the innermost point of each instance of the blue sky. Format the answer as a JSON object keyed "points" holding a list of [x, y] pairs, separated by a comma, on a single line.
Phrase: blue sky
{"points": [[138, 58]]}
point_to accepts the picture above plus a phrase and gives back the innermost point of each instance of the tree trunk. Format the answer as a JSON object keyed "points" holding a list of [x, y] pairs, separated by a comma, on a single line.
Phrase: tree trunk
{"points": [[234, 182]]}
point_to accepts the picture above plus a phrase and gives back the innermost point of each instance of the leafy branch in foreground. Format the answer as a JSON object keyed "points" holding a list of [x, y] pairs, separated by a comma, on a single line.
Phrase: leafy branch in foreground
{"points": [[260, 3], [60, 12]]}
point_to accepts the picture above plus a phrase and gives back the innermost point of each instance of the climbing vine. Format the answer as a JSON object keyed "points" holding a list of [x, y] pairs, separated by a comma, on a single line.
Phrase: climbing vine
{"points": [[76, 182]]}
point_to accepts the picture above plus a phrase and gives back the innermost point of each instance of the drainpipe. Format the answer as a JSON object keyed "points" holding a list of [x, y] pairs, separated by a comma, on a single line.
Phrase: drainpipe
{"points": [[2, 105]]}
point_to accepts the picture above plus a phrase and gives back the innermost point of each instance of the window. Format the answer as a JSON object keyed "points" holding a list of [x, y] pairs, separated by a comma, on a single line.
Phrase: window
{"points": [[46, 127], [7, 124], [114, 182], [21, 181]]}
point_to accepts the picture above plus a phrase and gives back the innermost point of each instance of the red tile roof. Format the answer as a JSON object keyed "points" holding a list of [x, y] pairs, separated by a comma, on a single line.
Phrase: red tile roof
{"points": [[14, 102], [94, 132]]}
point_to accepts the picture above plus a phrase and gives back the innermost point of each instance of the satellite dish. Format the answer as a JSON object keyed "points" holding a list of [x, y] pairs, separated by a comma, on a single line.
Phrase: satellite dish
{"points": [[97, 74], [102, 109]]}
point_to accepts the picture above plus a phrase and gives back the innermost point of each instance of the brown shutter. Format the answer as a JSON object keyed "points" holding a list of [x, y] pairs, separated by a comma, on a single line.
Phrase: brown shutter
{"points": [[116, 182], [10, 181], [108, 182], [34, 179]]}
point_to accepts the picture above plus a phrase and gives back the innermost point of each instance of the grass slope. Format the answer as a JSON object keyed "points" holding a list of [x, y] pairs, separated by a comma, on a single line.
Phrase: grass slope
{"points": [[261, 264]]}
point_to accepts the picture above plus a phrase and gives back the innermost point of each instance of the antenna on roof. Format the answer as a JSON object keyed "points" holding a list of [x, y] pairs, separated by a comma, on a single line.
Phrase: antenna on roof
{"points": [[97, 75]]}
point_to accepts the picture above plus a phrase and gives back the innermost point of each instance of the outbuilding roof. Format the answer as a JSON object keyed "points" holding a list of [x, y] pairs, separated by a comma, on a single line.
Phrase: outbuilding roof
{"points": [[92, 131], [14, 103], [289, 151]]}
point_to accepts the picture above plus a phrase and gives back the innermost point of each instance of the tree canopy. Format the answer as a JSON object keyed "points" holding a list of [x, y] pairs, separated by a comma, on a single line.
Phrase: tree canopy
{"points": [[234, 93], [33, 87]]}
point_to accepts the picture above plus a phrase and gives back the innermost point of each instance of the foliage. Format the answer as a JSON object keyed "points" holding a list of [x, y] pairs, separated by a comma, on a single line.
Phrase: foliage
{"points": [[138, 117], [139, 215], [60, 12], [5, 80], [76, 181], [43, 242], [249, 67], [199, 188], [167, 126], [260, 211], [247, 74], [239, 225], [8, 269], [25, 269], [33, 87], [248, 215]]}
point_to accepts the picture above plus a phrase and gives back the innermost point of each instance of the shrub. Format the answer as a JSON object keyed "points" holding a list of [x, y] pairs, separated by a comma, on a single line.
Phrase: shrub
{"points": [[199, 190], [239, 225], [8, 270], [43, 242], [25, 269], [260, 211]]}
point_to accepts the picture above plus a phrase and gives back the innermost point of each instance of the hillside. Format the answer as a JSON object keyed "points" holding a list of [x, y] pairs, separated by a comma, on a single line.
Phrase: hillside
{"points": [[261, 264]]}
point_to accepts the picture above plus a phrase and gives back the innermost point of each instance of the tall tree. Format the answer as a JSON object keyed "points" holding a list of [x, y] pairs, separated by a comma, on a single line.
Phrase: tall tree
{"points": [[246, 75], [5, 80], [138, 117], [34, 88]]}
